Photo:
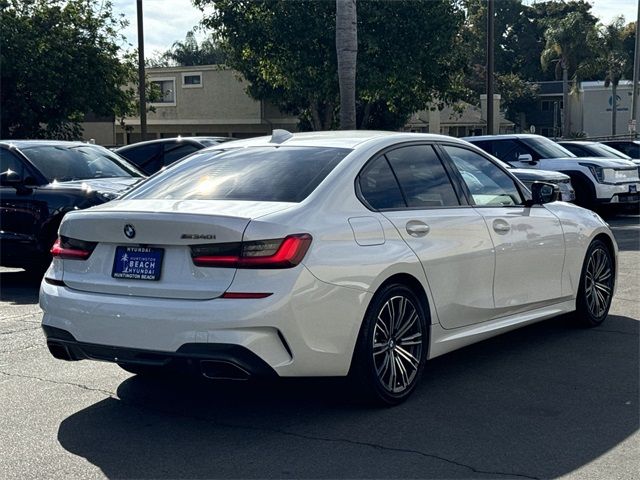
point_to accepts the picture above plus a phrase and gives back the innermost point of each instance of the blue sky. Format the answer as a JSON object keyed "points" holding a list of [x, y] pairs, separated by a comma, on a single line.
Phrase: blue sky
{"points": [[166, 21]]}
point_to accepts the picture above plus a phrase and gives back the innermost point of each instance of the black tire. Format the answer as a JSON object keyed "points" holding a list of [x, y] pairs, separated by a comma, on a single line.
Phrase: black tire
{"points": [[596, 285], [143, 370], [387, 365]]}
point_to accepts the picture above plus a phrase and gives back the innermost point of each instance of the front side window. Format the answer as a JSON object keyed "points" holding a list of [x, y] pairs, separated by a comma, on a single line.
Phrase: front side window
{"points": [[267, 174], [422, 178], [10, 164], [510, 150], [488, 184], [546, 148]]}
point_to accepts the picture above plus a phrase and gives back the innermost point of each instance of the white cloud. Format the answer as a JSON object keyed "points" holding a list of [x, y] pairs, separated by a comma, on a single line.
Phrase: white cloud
{"points": [[165, 21]]}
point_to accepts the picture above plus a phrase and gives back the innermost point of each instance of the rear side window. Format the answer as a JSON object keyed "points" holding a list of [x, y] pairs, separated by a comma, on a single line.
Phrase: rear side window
{"points": [[175, 151], [65, 163], [267, 174], [378, 186], [145, 156], [422, 177]]}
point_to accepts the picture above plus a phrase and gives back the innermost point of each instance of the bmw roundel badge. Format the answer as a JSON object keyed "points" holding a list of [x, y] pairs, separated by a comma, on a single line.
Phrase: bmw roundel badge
{"points": [[129, 231]]}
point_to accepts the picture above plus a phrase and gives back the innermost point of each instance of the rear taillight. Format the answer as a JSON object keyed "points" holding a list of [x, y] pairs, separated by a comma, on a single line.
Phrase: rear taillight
{"points": [[72, 248], [277, 253]]}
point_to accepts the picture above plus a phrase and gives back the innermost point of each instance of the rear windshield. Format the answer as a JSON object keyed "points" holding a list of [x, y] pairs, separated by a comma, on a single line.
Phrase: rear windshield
{"points": [[64, 163], [267, 174]]}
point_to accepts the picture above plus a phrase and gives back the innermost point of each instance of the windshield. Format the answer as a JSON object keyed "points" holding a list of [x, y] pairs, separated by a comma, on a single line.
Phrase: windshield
{"points": [[64, 163], [268, 174], [607, 151], [546, 148]]}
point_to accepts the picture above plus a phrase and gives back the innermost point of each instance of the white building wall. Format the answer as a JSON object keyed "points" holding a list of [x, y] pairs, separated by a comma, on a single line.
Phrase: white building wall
{"points": [[597, 111]]}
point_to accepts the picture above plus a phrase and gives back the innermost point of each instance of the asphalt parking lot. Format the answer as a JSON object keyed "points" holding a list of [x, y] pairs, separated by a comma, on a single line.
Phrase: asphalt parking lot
{"points": [[546, 401]]}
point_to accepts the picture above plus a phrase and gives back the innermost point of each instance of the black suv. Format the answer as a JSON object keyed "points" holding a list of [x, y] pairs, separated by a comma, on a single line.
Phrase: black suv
{"points": [[42, 180], [152, 155]]}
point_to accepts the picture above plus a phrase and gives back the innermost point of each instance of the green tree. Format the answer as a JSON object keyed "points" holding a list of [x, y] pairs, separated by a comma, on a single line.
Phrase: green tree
{"points": [[569, 44], [407, 55], [612, 60], [189, 52], [58, 60]]}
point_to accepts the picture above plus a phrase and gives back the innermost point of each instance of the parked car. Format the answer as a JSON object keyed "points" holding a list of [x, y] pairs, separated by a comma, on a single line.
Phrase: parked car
{"points": [[597, 181], [528, 176], [321, 254], [40, 181], [583, 148], [630, 148], [153, 155]]}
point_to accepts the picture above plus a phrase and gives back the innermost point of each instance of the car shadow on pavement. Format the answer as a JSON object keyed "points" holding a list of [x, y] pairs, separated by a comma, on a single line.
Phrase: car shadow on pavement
{"points": [[19, 287], [539, 402]]}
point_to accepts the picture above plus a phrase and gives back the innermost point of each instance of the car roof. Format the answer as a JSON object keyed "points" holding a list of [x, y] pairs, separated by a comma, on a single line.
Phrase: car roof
{"points": [[335, 138], [578, 142], [501, 137], [637, 142], [172, 139], [51, 143]]}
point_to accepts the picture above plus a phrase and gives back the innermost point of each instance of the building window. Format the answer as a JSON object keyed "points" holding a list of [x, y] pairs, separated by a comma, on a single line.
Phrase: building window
{"points": [[192, 80], [167, 88]]}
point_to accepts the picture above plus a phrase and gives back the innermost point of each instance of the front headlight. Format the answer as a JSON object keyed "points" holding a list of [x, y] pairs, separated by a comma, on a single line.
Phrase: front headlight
{"points": [[612, 175], [596, 170]]}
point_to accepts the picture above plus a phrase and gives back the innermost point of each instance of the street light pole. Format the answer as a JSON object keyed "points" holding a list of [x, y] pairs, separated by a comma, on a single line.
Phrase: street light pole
{"points": [[141, 75], [490, 66]]}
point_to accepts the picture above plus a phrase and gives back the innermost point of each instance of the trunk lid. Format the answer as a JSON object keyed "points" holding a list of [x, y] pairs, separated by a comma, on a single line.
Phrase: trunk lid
{"points": [[163, 230]]}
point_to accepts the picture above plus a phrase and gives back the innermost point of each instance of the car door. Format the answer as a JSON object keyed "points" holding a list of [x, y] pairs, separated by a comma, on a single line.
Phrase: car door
{"points": [[528, 240], [410, 186], [20, 211]]}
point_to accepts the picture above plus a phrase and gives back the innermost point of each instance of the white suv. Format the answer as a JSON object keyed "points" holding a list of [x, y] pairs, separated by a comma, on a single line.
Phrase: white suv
{"points": [[597, 181]]}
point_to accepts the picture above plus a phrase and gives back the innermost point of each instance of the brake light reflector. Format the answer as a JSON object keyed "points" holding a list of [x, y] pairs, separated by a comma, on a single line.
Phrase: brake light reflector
{"points": [[244, 295], [276, 253], [72, 249]]}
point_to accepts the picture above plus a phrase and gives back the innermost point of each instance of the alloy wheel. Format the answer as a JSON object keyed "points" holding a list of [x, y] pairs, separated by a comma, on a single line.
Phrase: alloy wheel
{"points": [[598, 280], [397, 344]]}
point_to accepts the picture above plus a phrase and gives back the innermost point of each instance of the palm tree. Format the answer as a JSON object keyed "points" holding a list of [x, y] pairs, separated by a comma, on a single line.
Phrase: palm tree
{"points": [[613, 58], [567, 44], [347, 51]]}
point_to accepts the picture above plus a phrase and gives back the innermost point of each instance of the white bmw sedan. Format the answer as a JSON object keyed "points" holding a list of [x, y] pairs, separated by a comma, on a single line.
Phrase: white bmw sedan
{"points": [[321, 254]]}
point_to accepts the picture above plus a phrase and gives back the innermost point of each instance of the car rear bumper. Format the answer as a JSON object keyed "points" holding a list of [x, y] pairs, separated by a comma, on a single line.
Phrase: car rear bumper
{"points": [[308, 329], [211, 360]]}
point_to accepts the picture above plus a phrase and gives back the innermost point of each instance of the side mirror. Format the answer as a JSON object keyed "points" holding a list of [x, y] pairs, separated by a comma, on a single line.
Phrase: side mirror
{"points": [[542, 192], [9, 178], [527, 158]]}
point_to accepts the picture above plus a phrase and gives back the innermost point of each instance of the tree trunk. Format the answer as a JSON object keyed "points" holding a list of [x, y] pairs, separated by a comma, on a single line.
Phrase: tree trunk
{"points": [[566, 119], [347, 51], [365, 116], [315, 117]]}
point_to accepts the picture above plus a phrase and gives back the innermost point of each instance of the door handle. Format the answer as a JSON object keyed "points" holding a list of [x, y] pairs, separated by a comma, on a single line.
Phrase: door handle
{"points": [[501, 226], [416, 228]]}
